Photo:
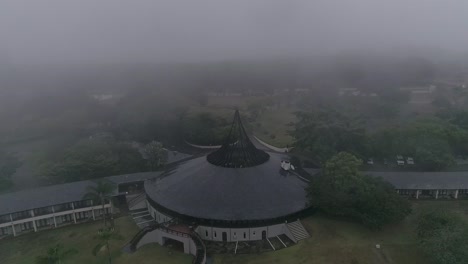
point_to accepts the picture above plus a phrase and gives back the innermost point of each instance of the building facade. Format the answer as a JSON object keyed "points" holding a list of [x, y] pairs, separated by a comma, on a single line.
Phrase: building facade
{"points": [[53, 216]]}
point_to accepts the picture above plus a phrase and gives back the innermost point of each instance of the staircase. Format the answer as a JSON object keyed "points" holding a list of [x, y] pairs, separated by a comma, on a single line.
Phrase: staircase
{"points": [[298, 230], [142, 217], [136, 201], [132, 245]]}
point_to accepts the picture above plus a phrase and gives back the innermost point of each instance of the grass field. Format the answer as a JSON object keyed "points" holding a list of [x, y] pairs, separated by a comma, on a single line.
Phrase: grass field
{"points": [[272, 127], [336, 241], [24, 249], [332, 241]]}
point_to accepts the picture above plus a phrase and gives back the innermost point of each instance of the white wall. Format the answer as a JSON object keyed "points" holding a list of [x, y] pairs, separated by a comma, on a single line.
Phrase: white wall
{"points": [[158, 236], [276, 230], [57, 216], [232, 234], [158, 216], [237, 234], [256, 233]]}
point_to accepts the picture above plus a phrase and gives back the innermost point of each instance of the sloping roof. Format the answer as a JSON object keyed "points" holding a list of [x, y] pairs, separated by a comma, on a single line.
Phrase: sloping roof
{"points": [[425, 180], [133, 177], [421, 180], [44, 196], [69, 192], [200, 189], [61, 193]]}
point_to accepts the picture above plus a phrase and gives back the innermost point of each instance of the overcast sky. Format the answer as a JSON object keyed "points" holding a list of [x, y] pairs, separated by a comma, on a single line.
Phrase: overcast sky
{"points": [[63, 31]]}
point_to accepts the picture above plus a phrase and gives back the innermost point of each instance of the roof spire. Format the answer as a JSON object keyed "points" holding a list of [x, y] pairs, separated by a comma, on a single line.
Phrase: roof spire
{"points": [[237, 151]]}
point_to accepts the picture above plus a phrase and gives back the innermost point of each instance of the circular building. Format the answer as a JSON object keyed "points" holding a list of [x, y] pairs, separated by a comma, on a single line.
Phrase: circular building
{"points": [[236, 193]]}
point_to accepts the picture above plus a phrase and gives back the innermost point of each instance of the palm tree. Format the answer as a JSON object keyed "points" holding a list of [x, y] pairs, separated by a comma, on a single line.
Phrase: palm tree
{"points": [[55, 255], [99, 193], [105, 235]]}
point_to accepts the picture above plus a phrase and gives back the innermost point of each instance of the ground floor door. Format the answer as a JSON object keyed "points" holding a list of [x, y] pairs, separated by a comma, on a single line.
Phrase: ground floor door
{"points": [[263, 234], [224, 237]]}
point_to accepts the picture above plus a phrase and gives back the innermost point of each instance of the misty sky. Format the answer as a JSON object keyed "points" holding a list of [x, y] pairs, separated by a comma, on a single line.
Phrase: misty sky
{"points": [[75, 31]]}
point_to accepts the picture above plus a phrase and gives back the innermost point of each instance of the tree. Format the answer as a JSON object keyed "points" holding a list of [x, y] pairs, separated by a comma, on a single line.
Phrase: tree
{"points": [[105, 236], [325, 133], [342, 190], [94, 158], [431, 142], [55, 255], [205, 129], [459, 119], [433, 154], [99, 193], [155, 154], [8, 166]]}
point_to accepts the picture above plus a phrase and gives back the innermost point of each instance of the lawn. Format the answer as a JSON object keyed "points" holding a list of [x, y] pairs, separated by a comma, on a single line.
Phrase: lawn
{"points": [[337, 241], [272, 127], [24, 249], [342, 242]]}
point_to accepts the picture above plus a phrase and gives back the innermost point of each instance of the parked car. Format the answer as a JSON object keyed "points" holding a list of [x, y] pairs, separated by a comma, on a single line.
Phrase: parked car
{"points": [[400, 161], [370, 161], [410, 161]]}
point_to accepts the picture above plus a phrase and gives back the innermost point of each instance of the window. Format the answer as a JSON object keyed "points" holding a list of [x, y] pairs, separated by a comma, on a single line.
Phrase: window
{"points": [[245, 235], [253, 233], [63, 207], [206, 233], [215, 234], [43, 211], [4, 219]]}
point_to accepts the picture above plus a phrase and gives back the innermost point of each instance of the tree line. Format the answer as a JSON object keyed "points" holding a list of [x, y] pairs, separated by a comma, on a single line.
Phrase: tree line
{"points": [[100, 157], [433, 142]]}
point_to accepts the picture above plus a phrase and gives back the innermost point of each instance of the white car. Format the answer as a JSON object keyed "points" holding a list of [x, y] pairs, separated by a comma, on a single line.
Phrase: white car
{"points": [[286, 165], [410, 161], [370, 161], [400, 161]]}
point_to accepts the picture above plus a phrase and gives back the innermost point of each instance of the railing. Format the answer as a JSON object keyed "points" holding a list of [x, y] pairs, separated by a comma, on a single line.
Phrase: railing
{"points": [[136, 199], [174, 232], [200, 255], [134, 242], [203, 147]]}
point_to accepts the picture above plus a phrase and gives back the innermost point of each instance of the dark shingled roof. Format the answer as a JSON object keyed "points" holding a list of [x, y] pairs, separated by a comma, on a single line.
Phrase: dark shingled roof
{"points": [[200, 189], [44, 196], [425, 180], [58, 194]]}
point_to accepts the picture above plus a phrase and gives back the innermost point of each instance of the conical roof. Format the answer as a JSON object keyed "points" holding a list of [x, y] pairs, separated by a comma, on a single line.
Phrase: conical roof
{"points": [[237, 151]]}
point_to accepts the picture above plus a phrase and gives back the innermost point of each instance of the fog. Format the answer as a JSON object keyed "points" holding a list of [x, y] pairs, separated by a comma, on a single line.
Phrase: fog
{"points": [[116, 31]]}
